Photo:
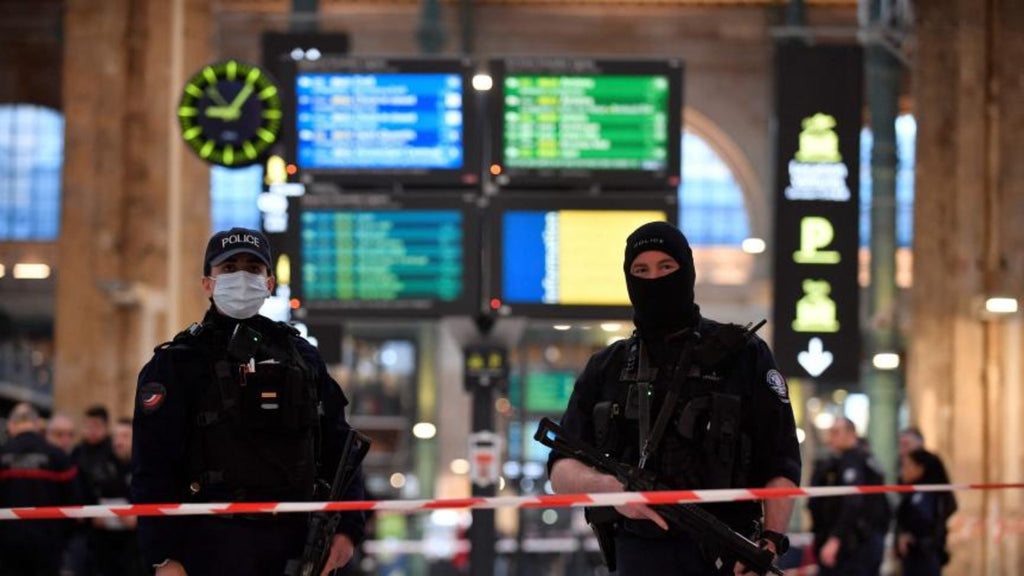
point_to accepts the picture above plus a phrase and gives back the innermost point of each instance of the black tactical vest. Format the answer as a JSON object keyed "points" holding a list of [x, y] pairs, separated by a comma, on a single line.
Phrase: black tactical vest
{"points": [[704, 446], [255, 427]]}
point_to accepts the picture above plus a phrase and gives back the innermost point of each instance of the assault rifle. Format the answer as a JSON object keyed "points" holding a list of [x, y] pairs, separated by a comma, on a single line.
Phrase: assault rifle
{"points": [[323, 525], [697, 522]]}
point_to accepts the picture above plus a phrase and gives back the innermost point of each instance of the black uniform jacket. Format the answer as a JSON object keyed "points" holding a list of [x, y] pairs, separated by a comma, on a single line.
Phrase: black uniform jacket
{"points": [[34, 473], [767, 417], [849, 518], [163, 425]]}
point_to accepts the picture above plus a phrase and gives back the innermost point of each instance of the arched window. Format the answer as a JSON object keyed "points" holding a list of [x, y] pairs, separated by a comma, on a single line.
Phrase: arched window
{"points": [[712, 211], [906, 135], [31, 158], [233, 195]]}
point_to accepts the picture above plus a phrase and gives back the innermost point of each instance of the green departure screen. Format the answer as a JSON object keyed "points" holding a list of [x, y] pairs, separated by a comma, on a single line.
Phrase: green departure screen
{"points": [[380, 256], [586, 122]]}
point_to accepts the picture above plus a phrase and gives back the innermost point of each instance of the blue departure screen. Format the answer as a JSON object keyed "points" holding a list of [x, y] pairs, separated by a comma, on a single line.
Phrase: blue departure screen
{"points": [[379, 121], [383, 256]]}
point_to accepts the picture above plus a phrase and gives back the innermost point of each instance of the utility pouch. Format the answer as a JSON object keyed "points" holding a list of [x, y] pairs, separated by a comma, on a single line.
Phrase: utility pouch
{"points": [[604, 414], [602, 522], [244, 343]]}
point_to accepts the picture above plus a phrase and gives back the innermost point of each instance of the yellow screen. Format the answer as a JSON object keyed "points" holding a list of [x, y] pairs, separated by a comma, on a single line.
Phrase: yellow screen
{"points": [[590, 251]]}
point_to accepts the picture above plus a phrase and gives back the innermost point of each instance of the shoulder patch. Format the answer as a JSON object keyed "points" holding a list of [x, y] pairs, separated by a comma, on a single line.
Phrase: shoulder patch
{"points": [[777, 384], [151, 397]]}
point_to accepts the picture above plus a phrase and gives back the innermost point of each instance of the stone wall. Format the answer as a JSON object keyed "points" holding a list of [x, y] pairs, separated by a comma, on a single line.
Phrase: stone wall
{"points": [[135, 215], [964, 373]]}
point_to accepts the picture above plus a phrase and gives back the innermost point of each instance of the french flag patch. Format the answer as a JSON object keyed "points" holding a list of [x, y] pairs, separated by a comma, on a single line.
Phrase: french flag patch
{"points": [[151, 397]]}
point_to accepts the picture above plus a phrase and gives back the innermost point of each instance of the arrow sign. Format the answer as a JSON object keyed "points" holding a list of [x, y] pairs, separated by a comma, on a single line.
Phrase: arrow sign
{"points": [[815, 359]]}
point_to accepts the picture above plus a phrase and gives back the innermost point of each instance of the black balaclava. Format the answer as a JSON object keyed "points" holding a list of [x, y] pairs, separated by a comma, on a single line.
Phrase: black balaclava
{"points": [[663, 305]]}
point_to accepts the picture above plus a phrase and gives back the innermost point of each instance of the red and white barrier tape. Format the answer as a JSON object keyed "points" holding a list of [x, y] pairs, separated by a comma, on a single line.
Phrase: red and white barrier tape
{"points": [[410, 506]]}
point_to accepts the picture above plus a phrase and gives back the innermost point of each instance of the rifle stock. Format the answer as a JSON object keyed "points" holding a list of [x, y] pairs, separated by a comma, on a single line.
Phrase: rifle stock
{"points": [[323, 525], [697, 522]]}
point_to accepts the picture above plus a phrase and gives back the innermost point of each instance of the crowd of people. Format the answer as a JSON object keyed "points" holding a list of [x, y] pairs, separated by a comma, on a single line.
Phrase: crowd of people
{"points": [[42, 465], [850, 532]]}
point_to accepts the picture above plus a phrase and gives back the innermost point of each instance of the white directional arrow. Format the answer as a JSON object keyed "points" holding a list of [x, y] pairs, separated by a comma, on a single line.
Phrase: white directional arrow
{"points": [[815, 359]]}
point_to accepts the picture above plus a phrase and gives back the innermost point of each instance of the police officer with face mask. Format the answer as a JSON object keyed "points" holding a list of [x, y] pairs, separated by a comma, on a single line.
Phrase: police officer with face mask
{"points": [[731, 424], [236, 408]]}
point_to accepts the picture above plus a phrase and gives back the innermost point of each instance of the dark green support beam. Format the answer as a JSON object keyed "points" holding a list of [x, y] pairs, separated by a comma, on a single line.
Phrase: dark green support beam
{"points": [[883, 73]]}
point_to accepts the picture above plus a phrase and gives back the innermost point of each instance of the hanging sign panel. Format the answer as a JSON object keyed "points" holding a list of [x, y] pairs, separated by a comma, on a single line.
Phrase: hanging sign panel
{"points": [[818, 113]]}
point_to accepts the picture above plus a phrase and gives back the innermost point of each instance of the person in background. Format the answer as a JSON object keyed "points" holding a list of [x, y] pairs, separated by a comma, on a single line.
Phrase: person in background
{"points": [[921, 518], [878, 507], [844, 536], [32, 473], [94, 455], [113, 541], [910, 439], [60, 431], [98, 474]]}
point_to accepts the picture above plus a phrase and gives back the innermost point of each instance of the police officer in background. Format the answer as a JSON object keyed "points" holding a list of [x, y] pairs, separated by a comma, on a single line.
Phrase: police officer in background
{"points": [[237, 408], [32, 473], [731, 427], [849, 532]]}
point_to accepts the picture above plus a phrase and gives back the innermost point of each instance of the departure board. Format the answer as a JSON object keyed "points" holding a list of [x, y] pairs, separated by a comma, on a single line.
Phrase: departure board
{"points": [[584, 123], [592, 122], [567, 257], [387, 256], [379, 121]]}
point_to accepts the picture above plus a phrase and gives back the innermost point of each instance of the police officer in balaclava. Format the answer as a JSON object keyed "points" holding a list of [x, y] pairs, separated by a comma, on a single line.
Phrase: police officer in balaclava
{"points": [[236, 408], [732, 423]]}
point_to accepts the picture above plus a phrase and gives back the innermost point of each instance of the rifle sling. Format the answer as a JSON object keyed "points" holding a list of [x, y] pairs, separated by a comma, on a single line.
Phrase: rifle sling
{"points": [[684, 369]]}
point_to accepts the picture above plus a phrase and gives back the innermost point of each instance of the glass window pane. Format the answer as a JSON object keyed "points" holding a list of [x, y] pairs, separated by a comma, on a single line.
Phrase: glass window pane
{"points": [[233, 195], [712, 209], [31, 158], [906, 136]]}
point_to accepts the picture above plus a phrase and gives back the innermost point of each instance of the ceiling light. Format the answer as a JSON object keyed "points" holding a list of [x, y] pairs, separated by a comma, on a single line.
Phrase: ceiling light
{"points": [[483, 82], [424, 430], [886, 361], [459, 466], [611, 326], [1001, 305], [754, 246], [23, 271]]}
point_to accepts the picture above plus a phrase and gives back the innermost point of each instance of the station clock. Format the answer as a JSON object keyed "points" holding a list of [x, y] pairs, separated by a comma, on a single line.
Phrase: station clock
{"points": [[230, 113]]}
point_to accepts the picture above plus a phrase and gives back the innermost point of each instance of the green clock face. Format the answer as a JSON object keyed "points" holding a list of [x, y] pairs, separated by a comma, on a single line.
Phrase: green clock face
{"points": [[230, 113]]}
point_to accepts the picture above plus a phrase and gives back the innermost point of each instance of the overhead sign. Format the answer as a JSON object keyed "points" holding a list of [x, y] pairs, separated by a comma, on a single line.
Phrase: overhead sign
{"points": [[818, 100], [485, 366]]}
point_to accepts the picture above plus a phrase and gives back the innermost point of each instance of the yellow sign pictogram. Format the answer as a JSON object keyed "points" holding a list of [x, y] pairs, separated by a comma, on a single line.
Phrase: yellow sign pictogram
{"points": [[815, 233], [816, 312], [819, 143]]}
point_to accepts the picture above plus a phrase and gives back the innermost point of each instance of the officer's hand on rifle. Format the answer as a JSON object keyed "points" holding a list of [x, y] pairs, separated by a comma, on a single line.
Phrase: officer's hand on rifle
{"points": [[631, 511], [171, 568], [342, 550]]}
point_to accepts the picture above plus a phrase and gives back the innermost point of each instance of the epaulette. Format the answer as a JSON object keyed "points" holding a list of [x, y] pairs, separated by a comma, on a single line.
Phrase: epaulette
{"points": [[288, 328], [722, 343], [184, 337]]}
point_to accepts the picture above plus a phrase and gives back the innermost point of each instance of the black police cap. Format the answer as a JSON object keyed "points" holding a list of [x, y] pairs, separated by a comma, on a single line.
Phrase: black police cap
{"points": [[228, 243]]}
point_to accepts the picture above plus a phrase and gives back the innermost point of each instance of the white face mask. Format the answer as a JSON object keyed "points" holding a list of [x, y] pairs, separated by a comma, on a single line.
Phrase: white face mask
{"points": [[240, 294]]}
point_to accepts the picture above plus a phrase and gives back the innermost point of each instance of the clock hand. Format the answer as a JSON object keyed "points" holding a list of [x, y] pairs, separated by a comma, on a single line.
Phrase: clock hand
{"points": [[220, 112], [215, 95], [236, 104]]}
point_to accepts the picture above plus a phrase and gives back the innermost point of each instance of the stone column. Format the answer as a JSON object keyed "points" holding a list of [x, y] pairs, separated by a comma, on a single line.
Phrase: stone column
{"points": [[135, 217], [964, 373]]}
